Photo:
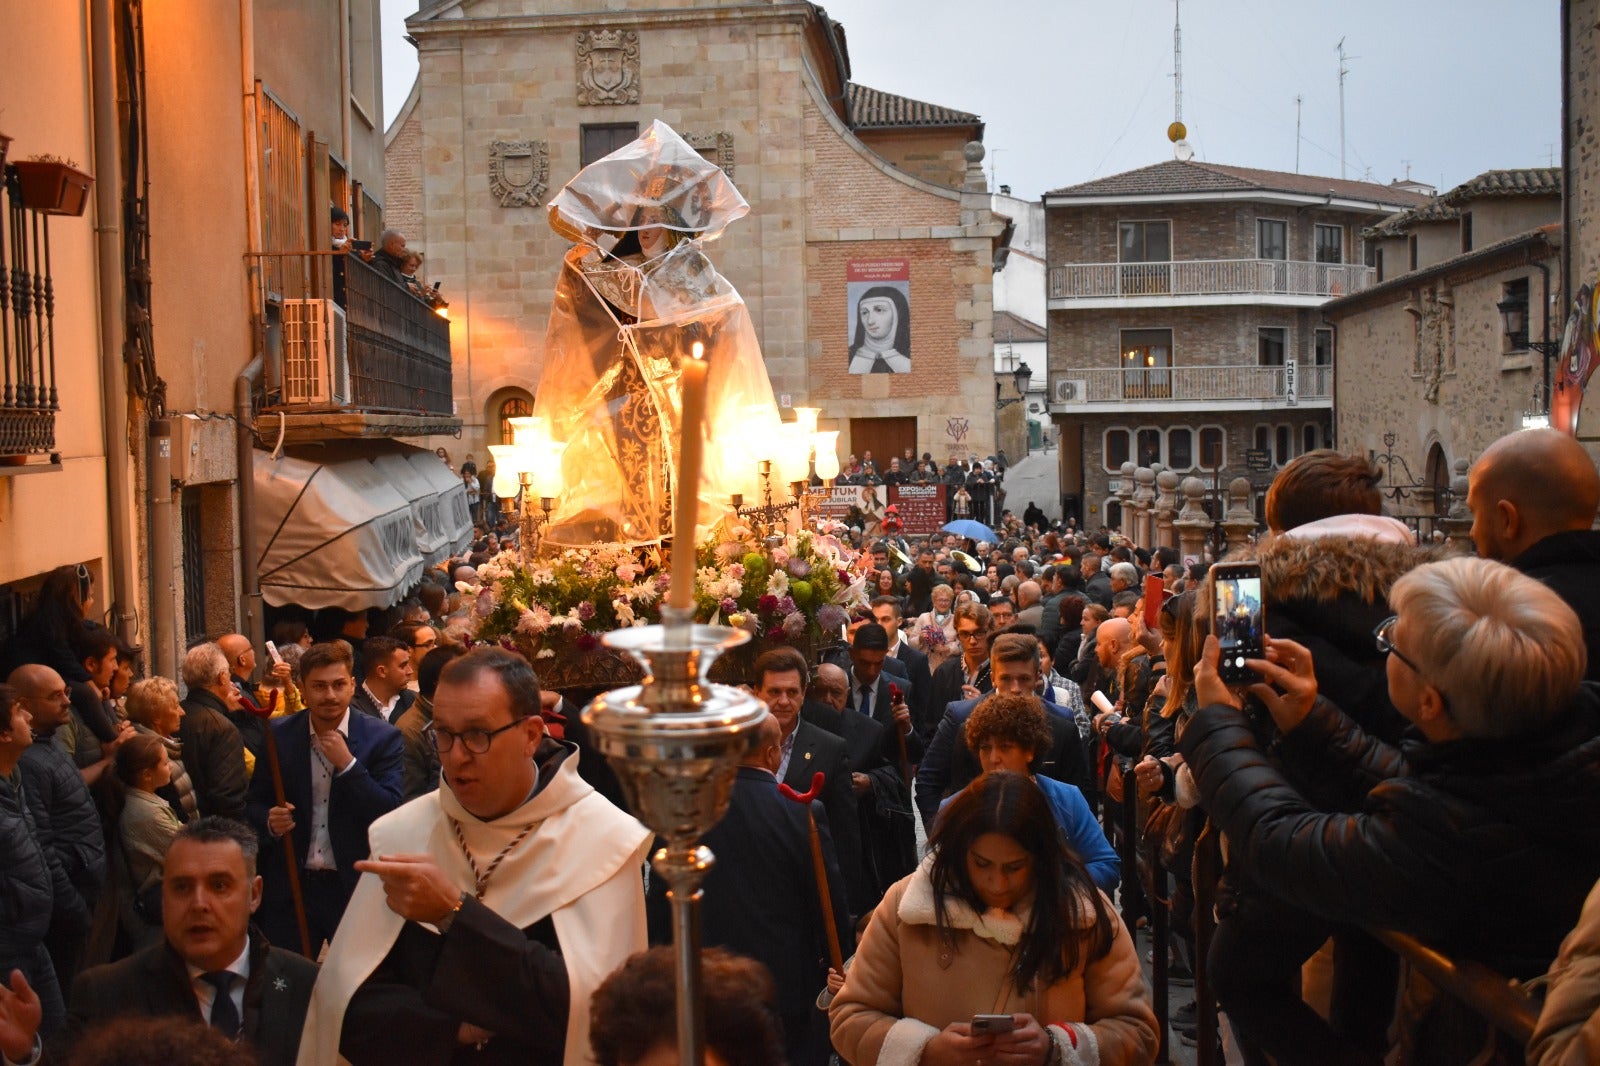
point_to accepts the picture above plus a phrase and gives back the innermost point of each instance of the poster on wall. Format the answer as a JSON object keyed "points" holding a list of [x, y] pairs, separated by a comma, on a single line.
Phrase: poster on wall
{"points": [[921, 508], [878, 292], [860, 503]]}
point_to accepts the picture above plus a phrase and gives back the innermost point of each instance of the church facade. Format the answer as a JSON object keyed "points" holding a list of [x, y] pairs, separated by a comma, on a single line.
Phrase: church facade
{"points": [[866, 207]]}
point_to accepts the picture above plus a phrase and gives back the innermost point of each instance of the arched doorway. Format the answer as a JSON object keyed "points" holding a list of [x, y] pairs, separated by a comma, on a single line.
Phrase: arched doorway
{"points": [[1436, 476]]}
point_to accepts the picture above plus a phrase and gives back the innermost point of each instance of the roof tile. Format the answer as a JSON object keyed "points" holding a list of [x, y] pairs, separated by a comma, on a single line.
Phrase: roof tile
{"points": [[876, 109], [1177, 176]]}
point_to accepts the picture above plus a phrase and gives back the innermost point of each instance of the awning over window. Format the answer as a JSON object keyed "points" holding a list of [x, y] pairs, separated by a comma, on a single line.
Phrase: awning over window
{"points": [[353, 528]]}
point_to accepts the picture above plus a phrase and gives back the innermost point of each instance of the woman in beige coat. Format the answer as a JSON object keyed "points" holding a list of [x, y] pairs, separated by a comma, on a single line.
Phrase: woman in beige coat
{"points": [[1000, 919]]}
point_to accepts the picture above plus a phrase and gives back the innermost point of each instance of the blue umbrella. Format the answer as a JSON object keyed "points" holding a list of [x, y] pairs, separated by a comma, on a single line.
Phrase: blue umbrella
{"points": [[966, 527]]}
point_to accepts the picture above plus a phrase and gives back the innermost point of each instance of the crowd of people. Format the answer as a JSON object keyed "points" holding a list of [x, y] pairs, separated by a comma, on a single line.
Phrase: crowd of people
{"points": [[381, 843]]}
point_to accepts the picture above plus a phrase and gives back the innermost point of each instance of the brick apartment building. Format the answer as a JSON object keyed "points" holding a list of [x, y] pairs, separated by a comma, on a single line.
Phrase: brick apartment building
{"points": [[840, 178], [1184, 314]]}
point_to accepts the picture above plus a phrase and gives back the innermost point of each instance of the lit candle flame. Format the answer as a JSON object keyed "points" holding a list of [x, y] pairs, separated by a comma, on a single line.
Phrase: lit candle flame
{"points": [[698, 350]]}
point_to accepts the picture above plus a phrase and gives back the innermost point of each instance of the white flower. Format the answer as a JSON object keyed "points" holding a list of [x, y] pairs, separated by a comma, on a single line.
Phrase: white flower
{"points": [[778, 584]]}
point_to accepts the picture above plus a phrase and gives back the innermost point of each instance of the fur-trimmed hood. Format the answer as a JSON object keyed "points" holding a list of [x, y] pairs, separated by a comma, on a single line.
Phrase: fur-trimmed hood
{"points": [[1330, 567]]}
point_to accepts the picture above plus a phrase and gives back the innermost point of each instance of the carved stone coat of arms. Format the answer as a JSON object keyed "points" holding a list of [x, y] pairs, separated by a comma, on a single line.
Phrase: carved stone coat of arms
{"points": [[518, 171], [608, 67]]}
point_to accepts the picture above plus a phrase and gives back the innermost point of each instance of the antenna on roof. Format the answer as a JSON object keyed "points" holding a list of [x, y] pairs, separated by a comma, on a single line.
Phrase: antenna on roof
{"points": [[1177, 132], [1297, 100], [1343, 71]]}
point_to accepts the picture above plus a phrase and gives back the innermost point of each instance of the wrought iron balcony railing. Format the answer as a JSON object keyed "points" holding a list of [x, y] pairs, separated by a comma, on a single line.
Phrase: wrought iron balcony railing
{"points": [[342, 336], [1208, 277], [28, 395]]}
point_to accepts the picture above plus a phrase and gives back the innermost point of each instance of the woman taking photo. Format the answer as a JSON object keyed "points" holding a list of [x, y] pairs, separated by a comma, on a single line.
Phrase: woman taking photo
{"points": [[1000, 919]]}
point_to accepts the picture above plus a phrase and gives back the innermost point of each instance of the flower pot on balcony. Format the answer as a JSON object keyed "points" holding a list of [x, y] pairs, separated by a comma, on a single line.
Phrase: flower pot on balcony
{"points": [[53, 188]]}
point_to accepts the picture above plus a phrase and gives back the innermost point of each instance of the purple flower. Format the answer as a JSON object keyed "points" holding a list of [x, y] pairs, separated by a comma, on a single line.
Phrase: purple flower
{"points": [[830, 617], [798, 567], [794, 625], [586, 610], [786, 605], [729, 605], [767, 604]]}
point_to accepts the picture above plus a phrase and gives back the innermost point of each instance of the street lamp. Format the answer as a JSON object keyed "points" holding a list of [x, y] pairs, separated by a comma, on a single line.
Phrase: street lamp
{"points": [[1514, 319]]}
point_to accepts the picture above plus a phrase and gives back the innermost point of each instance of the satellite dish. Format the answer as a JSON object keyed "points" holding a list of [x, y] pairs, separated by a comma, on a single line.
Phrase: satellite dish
{"points": [[1183, 151]]}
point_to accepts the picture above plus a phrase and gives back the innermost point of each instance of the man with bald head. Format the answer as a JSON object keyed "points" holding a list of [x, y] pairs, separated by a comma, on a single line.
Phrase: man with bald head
{"points": [[1030, 607], [1533, 497], [241, 656], [65, 821], [883, 800]]}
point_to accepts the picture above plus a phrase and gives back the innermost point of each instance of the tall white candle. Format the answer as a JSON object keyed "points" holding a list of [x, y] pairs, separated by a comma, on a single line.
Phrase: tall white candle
{"points": [[691, 450]]}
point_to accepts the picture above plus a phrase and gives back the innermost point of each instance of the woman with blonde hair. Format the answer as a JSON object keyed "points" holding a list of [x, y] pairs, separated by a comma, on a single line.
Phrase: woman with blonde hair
{"points": [[934, 632], [154, 710]]}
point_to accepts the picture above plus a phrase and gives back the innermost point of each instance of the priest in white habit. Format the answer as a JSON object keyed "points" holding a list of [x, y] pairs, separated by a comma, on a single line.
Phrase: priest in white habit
{"points": [[491, 909]]}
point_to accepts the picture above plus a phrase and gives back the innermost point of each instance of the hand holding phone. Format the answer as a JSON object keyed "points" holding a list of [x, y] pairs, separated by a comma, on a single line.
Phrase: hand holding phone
{"points": [[1238, 619], [992, 1024], [272, 650]]}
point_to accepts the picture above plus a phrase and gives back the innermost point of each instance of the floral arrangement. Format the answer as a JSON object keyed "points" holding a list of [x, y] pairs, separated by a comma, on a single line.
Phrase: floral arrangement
{"points": [[931, 638], [789, 591]]}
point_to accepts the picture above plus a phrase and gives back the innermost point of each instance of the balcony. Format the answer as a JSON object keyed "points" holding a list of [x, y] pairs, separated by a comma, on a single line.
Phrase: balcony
{"points": [[29, 397], [1108, 390], [1202, 282], [349, 353]]}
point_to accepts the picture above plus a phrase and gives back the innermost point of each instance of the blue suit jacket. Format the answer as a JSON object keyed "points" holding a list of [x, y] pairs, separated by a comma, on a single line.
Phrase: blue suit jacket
{"points": [[948, 766], [370, 788]]}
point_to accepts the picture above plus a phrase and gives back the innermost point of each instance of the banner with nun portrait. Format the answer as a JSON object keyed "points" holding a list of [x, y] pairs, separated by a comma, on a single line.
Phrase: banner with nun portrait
{"points": [[879, 295]]}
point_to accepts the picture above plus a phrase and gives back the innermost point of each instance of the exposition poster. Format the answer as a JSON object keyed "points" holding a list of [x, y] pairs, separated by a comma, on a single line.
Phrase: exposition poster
{"points": [[878, 292], [921, 508]]}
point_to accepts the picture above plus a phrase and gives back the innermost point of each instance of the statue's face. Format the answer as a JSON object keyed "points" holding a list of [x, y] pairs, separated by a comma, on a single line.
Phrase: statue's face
{"points": [[877, 317]]}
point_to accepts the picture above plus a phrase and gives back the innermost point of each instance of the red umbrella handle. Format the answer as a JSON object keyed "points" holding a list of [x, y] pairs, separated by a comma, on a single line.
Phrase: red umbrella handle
{"points": [[804, 797]]}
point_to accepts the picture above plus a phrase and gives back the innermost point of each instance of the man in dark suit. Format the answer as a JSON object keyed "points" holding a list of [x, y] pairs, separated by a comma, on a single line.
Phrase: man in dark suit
{"points": [[873, 694], [886, 610], [341, 772], [211, 966], [762, 898], [883, 796], [949, 765], [806, 749], [385, 693], [964, 676]]}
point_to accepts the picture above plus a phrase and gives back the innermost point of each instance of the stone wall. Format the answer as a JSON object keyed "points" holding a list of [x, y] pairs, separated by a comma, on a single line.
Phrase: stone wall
{"points": [[1201, 336], [932, 155], [1581, 145]]}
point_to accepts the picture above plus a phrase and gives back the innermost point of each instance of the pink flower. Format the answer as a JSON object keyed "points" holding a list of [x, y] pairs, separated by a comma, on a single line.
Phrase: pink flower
{"points": [[767, 604], [586, 610]]}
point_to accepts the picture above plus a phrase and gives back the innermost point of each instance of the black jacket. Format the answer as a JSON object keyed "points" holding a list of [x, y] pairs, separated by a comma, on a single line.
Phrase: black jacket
{"points": [[1484, 849], [761, 896], [154, 982], [29, 883], [213, 753], [64, 815], [817, 750], [1570, 564], [1329, 594]]}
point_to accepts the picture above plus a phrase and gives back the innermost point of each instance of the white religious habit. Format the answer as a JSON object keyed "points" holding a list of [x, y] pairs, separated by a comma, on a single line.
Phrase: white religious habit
{"points": [[580, 868]]}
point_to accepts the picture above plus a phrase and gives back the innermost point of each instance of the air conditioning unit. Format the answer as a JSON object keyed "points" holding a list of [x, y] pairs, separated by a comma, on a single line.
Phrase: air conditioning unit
{"points": [[1072, 390], [316, 364]]}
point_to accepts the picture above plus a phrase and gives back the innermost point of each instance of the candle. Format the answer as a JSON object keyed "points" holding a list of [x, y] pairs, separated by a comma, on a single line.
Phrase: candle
{"points": [[691, 448]]}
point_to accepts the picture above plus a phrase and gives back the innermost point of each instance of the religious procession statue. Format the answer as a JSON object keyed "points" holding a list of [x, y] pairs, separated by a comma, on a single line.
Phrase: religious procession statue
{"points": [[636, 296]]}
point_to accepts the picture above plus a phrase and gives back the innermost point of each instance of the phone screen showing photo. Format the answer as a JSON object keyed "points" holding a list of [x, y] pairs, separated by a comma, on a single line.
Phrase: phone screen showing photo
{"points": [[1237, 619]]}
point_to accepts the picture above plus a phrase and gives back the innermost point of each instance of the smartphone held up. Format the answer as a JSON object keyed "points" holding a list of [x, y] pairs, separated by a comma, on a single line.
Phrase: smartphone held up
{"points": [[1238, 618]]}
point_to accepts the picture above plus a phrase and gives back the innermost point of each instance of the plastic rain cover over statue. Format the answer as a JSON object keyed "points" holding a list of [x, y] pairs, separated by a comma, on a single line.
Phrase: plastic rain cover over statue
{"points": [[636, 293]]}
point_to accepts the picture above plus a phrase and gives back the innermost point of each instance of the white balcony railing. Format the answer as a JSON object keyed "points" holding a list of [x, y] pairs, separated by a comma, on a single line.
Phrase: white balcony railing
{"points": [[1208, 277], [1188, 384]]}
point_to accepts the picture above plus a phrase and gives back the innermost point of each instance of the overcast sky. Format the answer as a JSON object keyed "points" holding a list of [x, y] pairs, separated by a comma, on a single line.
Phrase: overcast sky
{"points": [[1076, 89]]}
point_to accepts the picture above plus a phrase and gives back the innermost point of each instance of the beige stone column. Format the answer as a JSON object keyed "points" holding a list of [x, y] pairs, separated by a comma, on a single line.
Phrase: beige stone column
{"points": [[1192, 523], [1125, 498], [1240, 520], [1144, 499], [1166, 509]]}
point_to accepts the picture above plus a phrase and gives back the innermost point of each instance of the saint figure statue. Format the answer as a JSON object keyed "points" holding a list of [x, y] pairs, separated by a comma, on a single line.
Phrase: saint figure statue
{"points": [[635, 297]]}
